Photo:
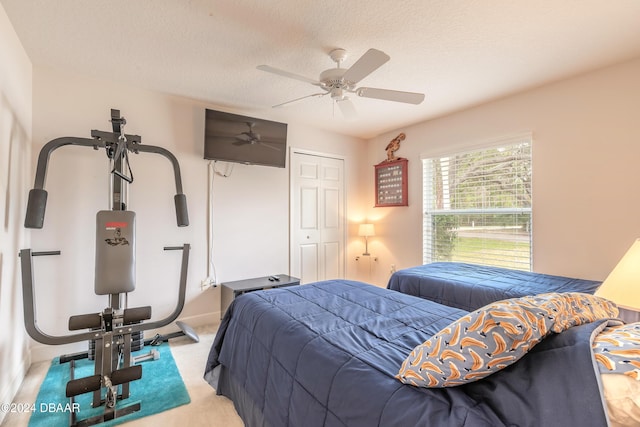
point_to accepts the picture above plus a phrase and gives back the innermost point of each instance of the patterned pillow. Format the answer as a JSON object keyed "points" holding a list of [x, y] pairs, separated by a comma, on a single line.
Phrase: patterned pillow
{"points": [[496, 336], [617, 350]]}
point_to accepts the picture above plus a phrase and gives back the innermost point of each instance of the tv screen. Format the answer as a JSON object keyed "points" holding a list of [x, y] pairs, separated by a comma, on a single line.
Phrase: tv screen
{"points": [[235, 138]]}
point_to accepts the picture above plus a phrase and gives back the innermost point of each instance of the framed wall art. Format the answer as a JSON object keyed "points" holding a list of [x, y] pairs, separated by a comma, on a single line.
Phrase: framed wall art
{"points": [[391, 183]]}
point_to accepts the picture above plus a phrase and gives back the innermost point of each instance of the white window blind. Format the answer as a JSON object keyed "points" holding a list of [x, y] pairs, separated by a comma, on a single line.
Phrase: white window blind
{"points": [[477, 206]]}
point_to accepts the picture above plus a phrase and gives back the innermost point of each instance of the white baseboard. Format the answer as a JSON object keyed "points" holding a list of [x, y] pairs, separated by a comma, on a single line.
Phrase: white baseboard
{"points": [[42, 352], [193, 321], [202, 319], [11, 389]]}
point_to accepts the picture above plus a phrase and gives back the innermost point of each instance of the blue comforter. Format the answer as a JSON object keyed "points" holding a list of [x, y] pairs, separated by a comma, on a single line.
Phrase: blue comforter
{"points": [[325, 354], [470, 286]]}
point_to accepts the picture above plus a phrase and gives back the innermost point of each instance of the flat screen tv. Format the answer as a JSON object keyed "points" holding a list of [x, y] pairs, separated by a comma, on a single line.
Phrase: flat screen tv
{"points": [[235, 138]]}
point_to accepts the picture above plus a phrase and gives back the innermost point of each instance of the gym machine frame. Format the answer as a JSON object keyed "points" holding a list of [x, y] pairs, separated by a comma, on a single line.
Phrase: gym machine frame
{"points": [[112, 329]]}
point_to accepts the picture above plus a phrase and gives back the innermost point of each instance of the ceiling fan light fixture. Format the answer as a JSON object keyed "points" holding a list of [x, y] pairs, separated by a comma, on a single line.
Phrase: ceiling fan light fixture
{"points": [[338, 94]]}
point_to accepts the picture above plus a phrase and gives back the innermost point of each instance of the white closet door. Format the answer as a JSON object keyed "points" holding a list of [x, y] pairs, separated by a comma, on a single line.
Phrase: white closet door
{"points": [[318, 217]]}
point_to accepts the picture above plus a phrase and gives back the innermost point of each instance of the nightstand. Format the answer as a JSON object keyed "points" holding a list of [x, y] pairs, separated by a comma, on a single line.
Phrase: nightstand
{"points": [[230, 290]]}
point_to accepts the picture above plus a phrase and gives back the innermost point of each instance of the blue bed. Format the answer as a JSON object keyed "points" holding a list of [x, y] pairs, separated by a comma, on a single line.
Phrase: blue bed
{"points": [[471, 286], [326, 354]]}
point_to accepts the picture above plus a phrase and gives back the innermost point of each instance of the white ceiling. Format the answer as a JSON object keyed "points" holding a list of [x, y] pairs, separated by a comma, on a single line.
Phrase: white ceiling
{"points": [[460, 53]]}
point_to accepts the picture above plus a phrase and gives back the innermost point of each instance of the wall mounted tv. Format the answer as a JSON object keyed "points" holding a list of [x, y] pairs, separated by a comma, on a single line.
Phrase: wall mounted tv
{"points": [[235, 138]]}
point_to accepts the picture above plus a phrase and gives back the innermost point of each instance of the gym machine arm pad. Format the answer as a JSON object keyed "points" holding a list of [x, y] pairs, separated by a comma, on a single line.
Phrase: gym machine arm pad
{"points": [[182, 216], [37, 202]]}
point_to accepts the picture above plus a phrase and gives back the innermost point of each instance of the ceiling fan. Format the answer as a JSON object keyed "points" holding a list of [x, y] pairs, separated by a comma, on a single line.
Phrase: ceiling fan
{"points": [[338, 82], [253, 138]]}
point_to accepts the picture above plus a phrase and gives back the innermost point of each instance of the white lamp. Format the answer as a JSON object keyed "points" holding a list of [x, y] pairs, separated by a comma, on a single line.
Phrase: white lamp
{"points": [[366, 230], [622, 286]]}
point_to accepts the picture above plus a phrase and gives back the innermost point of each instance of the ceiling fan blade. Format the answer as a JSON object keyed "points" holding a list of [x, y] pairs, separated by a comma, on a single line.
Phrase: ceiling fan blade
{"points": [[298, 99], [391, 95], [347, 108], [284, 73], [266, 144], [367, 64]]}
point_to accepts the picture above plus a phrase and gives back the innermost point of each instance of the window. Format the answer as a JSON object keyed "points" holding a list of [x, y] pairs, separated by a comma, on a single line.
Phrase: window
{"points": [[477, 206]]}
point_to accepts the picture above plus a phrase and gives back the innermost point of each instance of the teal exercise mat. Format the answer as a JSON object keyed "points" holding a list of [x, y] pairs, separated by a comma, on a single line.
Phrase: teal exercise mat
{"points": [[161, 388]]}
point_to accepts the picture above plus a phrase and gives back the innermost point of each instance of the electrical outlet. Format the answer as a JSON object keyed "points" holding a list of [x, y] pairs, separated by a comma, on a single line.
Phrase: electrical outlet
{"points": [[207, 283], [393, 268]]}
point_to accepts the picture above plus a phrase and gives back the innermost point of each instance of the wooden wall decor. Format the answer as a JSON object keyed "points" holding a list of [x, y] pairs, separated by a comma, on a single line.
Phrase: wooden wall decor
{"points": [[391, 183], [391, 177]]}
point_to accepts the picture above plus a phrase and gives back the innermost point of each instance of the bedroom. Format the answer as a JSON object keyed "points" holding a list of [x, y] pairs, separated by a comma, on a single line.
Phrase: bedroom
{"points": [[586, 148]]}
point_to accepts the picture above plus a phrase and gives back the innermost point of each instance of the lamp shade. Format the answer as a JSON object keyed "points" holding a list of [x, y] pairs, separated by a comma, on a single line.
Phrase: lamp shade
{"points": [[622, 286], [366, 230]]}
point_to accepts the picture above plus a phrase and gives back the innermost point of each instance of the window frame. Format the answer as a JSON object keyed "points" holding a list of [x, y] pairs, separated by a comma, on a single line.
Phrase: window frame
{"points": [[427, 182]]}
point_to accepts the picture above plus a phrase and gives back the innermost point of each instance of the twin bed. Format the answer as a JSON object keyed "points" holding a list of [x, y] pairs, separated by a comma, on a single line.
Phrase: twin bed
{"points": [[329, 354], [471, 286]]}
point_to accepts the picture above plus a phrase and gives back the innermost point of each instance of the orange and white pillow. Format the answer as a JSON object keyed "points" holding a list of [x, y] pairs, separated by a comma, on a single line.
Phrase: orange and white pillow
{"points": [[496, 336]]}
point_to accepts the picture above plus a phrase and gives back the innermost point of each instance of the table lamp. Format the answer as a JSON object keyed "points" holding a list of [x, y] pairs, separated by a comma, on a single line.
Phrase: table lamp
{"points": [[622, 286], [366, 230]]}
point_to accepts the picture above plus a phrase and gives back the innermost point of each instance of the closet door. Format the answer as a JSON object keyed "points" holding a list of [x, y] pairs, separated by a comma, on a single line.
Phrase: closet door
{"points": [[317, 217]]}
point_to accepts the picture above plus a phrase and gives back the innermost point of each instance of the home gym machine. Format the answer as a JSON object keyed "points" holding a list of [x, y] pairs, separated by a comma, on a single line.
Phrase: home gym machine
{"points": [[110, 332]]}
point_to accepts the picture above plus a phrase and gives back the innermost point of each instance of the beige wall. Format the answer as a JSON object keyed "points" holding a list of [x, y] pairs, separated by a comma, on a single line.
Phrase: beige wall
{"points": [[250, 208], [586, 151], [15, 176]]}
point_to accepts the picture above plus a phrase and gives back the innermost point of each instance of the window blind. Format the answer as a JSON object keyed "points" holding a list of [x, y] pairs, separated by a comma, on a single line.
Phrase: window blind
{"points": [[477, 206]]}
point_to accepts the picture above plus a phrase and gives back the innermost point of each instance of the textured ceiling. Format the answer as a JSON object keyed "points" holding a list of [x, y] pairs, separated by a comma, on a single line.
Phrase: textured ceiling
{"points": [[460, 53]]}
